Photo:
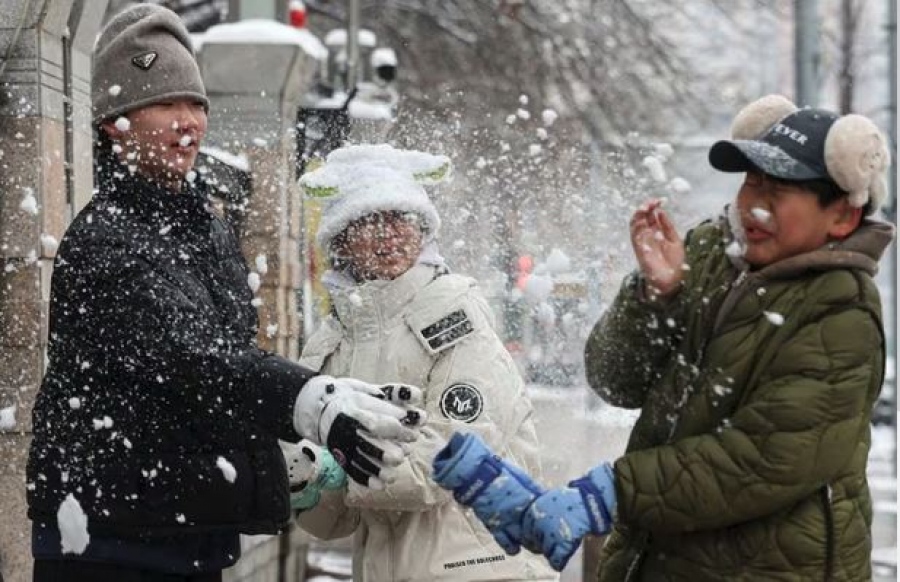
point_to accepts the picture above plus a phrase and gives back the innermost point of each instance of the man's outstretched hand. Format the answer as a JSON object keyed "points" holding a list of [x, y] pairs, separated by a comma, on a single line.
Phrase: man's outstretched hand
{"points": [[361, 424]]}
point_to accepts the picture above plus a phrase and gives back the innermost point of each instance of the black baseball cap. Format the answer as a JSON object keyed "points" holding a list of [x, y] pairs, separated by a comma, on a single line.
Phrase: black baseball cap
{"points": [[792, 149]]}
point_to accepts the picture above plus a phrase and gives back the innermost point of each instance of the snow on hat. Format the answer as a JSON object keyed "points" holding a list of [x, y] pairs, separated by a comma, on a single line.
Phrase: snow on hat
{"points": [[773, 136], [363, 179], [144, 56]]}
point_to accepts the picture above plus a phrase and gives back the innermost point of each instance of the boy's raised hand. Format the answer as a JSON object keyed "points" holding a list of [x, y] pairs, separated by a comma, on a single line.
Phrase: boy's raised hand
{"points": [[658, 248]]}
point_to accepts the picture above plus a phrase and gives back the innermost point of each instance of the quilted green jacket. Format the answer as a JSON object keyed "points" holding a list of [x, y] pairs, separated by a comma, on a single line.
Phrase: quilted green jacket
{"points": [[748, 459]]}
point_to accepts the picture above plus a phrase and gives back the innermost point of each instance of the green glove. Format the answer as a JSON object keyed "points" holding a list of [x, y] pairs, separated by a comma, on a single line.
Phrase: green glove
{"points": [[311, 469]]}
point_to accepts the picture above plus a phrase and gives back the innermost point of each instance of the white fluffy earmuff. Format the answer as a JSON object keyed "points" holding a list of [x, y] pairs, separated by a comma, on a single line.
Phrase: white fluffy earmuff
{"points": [[857, 156], [856, 152], [753, 120]]}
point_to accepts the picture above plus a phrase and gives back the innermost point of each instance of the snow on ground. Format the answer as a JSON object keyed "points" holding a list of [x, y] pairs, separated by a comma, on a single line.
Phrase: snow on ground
{"points": [[883, 486]]}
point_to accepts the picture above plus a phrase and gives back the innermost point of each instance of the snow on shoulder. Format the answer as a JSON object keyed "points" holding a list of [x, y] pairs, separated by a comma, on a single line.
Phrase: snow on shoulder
{"points": [[262, 31]]}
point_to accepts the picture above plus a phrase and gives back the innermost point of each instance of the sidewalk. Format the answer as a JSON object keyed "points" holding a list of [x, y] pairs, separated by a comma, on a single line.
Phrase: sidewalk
{"points": [[883, 486]]}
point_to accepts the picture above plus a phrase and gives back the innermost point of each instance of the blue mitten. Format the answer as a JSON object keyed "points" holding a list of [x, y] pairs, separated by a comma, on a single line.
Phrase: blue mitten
{"points": [[497, 491], [558, 519]]}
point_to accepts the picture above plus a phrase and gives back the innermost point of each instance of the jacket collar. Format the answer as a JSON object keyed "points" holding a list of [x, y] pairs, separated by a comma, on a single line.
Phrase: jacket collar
{"points": [[368, 305], [119, 186], [861, 250]]}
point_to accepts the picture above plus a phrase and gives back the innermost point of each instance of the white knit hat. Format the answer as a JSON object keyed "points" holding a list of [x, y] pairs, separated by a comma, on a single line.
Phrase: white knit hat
{"points": [[363, 179]]}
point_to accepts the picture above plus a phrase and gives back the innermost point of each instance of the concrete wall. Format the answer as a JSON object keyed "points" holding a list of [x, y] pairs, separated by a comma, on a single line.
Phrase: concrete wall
{"points": [[45, 170], [253, 110]]}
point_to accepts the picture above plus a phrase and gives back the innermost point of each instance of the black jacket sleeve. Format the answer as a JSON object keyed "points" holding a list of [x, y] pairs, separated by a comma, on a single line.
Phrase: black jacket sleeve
{"points": [[155, 327]]}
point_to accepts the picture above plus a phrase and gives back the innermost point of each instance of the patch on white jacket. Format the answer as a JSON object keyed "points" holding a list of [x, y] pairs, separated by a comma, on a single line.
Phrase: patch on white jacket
{"points": [[445, 332], [462, 402]]}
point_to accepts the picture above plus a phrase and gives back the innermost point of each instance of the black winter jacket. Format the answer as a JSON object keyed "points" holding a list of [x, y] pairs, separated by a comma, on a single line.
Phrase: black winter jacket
{"points": [[157, 412]]}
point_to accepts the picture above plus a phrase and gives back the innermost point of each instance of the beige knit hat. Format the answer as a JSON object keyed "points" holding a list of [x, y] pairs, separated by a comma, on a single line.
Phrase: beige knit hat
{"points": [[143, 56]]}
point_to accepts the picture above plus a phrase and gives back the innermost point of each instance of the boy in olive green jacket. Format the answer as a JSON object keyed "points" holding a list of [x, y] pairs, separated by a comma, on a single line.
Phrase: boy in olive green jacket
{"points": [[754, 349]]}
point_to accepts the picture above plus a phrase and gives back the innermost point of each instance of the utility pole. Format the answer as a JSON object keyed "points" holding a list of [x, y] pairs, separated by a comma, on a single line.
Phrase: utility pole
{"points": [[891, 209], [806, 52], [352, 45]]}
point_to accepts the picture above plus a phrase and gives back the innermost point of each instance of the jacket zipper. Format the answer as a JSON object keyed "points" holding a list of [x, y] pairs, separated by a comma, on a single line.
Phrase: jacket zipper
{"points": [[390, 528], [634, 566], [826, 494]]}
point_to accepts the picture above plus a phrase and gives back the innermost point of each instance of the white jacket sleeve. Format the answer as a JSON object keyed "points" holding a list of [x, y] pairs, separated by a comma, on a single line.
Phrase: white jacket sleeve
{"points": [[330, 518], [474, 386]]}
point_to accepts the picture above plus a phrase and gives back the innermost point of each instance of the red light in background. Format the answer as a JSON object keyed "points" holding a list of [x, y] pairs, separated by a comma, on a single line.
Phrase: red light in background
{"points": [[297, 14], [524, 265]]}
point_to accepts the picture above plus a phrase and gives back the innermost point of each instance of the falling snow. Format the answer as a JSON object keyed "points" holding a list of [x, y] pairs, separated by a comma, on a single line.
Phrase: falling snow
{"points": [[734, 249], [655, 166], [73, 526], [774, 318], [29, 202], [101, 423], [549, 117], [253, 281], [228, 470], [7, 418], [49, 244]]}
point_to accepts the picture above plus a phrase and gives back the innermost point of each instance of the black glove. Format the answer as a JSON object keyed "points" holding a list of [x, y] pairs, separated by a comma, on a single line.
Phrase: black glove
{"points": [[360, 423]]}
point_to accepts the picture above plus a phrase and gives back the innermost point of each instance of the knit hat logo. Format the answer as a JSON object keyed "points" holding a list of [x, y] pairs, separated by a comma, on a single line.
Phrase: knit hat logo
{"points": [[145, 61]]}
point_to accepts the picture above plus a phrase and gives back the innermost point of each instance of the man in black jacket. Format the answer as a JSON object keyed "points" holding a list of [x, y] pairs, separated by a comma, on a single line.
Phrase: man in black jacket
{"points": [[156, 426]]}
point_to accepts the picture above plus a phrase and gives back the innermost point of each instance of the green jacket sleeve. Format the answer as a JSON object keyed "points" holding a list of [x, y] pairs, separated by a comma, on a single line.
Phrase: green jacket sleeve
{"points": [[628, 348], [795, 432]]}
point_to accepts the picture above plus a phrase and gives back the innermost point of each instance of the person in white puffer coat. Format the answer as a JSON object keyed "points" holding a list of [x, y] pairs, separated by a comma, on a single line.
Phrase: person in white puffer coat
{"points": [[398, 314]]}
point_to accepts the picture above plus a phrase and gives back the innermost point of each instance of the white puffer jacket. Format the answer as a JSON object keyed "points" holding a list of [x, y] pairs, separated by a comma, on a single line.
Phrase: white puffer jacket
{"points": [[435, 332]]}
